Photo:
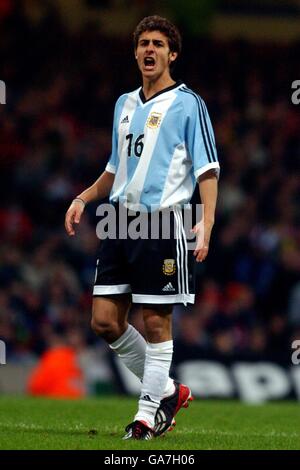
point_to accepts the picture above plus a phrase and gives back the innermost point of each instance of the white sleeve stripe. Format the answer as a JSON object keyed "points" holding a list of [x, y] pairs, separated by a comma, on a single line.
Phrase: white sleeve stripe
{"points": [[207, 167], [110, 168]]}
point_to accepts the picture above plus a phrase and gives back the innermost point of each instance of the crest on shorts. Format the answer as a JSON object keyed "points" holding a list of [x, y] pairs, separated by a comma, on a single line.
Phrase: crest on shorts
{"points": [[154, 120], [169, 267]]}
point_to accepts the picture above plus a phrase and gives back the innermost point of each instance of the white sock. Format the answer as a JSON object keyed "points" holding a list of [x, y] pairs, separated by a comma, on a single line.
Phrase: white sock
{"points": [[131, 349], [170, 388], [157, 366]]}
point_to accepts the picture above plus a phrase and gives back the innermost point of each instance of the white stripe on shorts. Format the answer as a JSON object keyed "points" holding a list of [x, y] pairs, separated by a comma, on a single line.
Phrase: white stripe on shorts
{"points": [[181, 246], [163, 299], [117, 289], [178, 253], [186, 254]]}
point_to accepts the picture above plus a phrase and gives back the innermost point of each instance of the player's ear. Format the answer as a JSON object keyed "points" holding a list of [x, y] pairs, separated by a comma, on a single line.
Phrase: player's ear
{"points": [[173, 56]]}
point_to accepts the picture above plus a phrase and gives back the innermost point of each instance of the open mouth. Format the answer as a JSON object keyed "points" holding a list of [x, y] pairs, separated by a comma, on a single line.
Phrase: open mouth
{"points": [[149, 62]]}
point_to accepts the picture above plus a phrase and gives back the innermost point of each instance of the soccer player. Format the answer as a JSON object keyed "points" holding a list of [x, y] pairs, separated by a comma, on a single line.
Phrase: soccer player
{"points": [[162, 146]]}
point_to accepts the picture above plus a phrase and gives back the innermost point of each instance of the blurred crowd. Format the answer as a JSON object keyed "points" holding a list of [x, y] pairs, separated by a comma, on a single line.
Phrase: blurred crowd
{"points": [[55, 140]]}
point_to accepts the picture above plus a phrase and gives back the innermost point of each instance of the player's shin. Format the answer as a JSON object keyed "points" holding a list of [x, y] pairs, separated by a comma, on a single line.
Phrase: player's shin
{"points": [[157, 365], [131, 349]]}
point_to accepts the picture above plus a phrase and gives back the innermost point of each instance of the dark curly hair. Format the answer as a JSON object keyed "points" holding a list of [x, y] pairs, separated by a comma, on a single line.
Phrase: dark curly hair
{"points": [[157, 23]]}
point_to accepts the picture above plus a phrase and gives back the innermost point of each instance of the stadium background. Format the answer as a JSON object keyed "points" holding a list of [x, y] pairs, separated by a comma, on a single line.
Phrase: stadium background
{"points": [[64, 64]]}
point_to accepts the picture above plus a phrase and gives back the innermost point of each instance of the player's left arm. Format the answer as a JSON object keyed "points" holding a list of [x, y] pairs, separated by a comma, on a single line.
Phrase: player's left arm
{"points": [[202, 149], [208, 189]]}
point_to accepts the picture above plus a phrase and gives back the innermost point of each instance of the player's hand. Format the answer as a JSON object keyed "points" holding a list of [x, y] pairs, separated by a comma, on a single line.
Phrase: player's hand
{"points": [[202, 232], [73, 215]]}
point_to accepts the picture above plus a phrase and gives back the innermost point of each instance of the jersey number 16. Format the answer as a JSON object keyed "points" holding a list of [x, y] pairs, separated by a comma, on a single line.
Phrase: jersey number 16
{"points": [[138, 145]]}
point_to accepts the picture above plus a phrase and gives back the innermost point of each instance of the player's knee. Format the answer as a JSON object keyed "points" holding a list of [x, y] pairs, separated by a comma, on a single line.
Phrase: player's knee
{"points": [[156, 330], [106, 329], [99, 327]]}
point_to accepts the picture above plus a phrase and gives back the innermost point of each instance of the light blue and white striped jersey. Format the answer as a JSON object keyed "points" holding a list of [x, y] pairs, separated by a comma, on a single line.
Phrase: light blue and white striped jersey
{"points": [[160, 147]]}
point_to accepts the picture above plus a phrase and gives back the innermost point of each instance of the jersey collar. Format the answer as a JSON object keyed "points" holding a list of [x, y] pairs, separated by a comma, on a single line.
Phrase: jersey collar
{"points": [[164, 90]]}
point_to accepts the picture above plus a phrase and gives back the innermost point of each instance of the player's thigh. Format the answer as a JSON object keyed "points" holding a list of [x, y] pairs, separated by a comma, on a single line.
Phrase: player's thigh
{"points": [[111, 277], [110, 311], [158, 322]]}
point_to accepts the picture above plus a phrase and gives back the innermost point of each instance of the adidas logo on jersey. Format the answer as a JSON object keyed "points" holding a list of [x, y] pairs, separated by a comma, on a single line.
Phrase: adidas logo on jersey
{"points": [[168, 288], [147, 398], [125, 120]]}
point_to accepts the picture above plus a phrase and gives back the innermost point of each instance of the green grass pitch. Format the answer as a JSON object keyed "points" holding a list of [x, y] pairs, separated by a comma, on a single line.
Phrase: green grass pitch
{"points": [[29, 423]]}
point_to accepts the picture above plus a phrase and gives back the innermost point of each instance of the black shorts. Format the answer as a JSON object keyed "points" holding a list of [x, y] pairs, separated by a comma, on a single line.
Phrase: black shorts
{"points": [[153, 271]]}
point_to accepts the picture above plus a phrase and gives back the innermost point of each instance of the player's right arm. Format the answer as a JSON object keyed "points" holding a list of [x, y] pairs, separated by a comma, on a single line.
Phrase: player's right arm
{"points": [[98, 190]]}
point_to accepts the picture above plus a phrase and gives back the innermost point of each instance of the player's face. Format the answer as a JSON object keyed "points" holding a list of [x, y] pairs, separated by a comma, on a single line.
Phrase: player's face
{"points": [[153, 54]]}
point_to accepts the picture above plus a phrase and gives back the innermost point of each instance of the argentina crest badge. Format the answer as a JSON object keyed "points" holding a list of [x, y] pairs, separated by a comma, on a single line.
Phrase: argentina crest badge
{"points": [[154, 120], [169, 267]]}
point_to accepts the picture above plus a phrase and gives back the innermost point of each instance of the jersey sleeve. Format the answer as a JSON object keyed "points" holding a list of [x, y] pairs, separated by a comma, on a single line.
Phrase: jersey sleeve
{"points": [[200, 138], [112, 163]]}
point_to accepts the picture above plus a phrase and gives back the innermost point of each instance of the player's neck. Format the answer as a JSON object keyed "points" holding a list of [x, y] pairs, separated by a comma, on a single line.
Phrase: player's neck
{"points": [[151, 87]]}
